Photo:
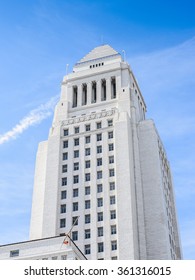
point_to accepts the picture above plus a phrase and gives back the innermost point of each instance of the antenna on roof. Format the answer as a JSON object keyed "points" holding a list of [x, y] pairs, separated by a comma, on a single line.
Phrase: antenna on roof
{"points": [[124, 55]]}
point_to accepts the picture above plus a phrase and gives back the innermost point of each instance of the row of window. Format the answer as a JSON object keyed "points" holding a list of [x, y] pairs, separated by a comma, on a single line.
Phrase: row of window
{"points": [[75, 219], [100, 247], [88, 139], [87, 127], [88, 151]]}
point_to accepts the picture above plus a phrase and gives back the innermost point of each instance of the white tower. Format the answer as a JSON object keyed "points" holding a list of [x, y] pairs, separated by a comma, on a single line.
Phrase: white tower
{"points": [[104, 163]]}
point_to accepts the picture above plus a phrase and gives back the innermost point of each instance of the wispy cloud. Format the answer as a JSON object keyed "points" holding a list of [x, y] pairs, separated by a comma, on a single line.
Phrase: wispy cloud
{"points": [[32, 118]]}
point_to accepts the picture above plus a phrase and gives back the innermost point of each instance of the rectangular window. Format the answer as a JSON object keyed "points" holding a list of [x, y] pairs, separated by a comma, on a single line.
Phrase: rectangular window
{"points": [[100, 202], [113, 229], [99, 137], [64, 168], [99, 161], [111, 159], [113, 214], [110, 135], [75, 206], [63, 194], [75, 179], [75, 93], [64, 156], [99, 188], [110, 122], [76, 154], [63, 208], [99, 174], [87, 127], [84, 94], [76, 141], [103, 90], [112, 186], [87, 164], [87, 249], [94, 92], [87, 204], [64, 181], [76, 166], [87, 177], [75, 192], [100, 231], [65, 144], [99, 149], [75, 220], [87, 219], [75, 235], [87, 151], [76, 129], [100, 247], [111, 147], [65, 132], [98, 125], [62, 223], [113, 245], [100, 216], [14, 253], [111, 172], [114, 258], [87, 139], [87, 233], [113, 87], [87, 190]]}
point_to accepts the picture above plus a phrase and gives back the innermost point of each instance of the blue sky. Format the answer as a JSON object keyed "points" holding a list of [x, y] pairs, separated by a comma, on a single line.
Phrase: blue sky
{"points": [[39, 37]]}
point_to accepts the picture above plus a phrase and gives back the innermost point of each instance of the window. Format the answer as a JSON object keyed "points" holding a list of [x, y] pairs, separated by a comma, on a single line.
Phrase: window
{"points": [[75, 206], [76, 154], [84, 94], [76, 166], [62, 223], [75, 220], [87, 139], [14, 253], [64, 168], [98, 125], [65, 144], [100, 247], [75, 93], [111, 159], [103, 90], [87, 233], [99, 174], [75, 179], [87, 249], [99, 149], [110, 135], [76, 130], [87, 151], [87, 190], [99, 137], [87, 127], [64, 156], [63, 194], [112, 186], [111, 172], [114, 258], [113, 87], [63, 208], [112, 200], [87, 219], [87, 177], [100, 202], [87, 164], [65, 132], [110, 122], [113, 214], [75, 235], [75, 192], [100, 231], [100, 216], [99, 161], [64, 257], [99, 188], [111, 147], [76, 141], [113, 229], [113, 245], [87, 204], [64, 181], [94, 91]]}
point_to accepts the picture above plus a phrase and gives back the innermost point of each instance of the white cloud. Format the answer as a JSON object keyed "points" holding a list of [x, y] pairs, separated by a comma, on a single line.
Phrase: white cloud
{"points": [[34, 117]]}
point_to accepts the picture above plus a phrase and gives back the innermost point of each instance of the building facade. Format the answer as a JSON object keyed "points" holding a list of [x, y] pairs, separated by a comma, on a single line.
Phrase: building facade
{"points": [[103, 172]]}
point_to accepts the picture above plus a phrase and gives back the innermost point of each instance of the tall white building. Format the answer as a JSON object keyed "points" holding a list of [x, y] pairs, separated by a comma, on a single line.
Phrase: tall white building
{"points": [[104, 168]]}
